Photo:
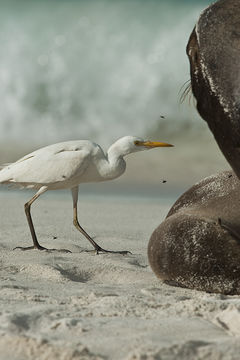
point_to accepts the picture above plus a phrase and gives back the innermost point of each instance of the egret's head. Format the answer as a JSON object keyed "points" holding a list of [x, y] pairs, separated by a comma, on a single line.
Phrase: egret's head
{"points": [[130, 144]]}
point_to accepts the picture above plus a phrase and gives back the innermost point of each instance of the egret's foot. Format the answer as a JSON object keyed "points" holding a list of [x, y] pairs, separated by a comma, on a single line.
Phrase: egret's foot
{"points": [[41, 248]]}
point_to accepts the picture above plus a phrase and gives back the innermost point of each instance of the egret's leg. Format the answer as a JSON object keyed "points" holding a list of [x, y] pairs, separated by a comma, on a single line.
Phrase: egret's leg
{"points": [[27, 208], [78, 226]]}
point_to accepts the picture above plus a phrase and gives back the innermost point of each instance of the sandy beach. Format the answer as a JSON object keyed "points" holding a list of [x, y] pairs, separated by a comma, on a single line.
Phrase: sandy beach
{"points": [[108, 306], [100, 70]]}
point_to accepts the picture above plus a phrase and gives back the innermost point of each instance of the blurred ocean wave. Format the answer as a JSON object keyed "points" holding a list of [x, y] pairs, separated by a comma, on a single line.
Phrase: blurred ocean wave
{"points": [[96, 69], [99, 70]]}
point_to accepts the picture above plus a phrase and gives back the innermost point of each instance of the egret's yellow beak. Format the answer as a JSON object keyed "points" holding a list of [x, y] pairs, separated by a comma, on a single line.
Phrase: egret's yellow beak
{"points": [[152, 144]]}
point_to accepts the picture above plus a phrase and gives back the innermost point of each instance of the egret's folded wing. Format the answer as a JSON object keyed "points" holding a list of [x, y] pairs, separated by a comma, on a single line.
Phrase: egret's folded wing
{"points": [[47, 167]]}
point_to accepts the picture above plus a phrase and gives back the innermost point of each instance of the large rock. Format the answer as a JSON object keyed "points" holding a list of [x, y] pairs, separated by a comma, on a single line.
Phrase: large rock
{"points": [[214, 52], [198, 244]]}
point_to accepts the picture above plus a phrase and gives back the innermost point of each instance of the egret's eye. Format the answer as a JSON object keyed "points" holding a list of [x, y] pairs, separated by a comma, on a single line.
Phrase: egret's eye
{"points": [[137, 142]]}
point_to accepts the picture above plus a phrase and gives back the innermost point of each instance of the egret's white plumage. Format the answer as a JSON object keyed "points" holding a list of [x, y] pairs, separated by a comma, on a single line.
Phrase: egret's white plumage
{"points": [[68, 164]]}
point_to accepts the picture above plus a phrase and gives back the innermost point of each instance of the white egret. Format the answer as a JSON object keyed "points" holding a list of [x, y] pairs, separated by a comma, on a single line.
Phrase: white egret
{"points": [[66, 165]]}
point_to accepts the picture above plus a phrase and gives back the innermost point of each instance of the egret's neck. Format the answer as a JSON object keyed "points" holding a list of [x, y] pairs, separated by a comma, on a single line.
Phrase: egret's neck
{"points": [[116, 163]]}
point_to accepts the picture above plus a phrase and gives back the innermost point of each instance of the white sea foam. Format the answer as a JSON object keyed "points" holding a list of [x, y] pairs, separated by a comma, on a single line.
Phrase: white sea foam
{"points": [[99, 69]]}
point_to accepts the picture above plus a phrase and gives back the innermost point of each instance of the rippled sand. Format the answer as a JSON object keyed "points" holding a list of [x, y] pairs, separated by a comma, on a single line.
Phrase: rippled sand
{"points": [[84, 306]]}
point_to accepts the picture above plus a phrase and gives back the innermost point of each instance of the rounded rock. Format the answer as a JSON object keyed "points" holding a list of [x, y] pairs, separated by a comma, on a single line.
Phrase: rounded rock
{"points": [[198, 244]]}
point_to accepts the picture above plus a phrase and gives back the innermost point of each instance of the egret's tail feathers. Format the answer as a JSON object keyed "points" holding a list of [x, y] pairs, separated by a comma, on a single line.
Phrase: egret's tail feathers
{"points": [[6, 182], [5, 176], [11, 183]]}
